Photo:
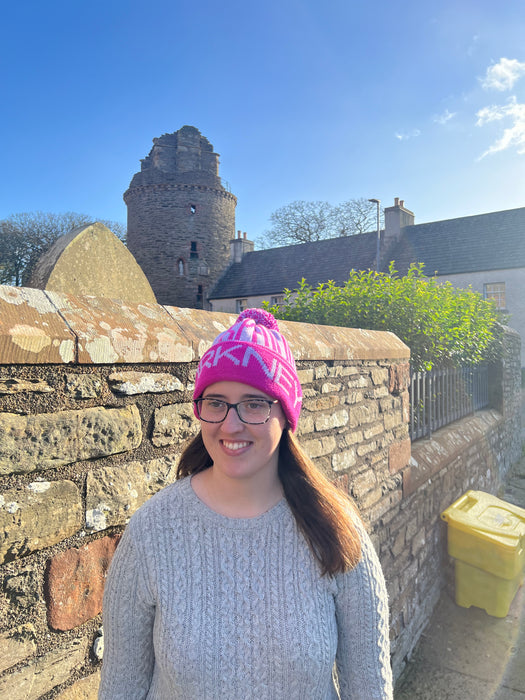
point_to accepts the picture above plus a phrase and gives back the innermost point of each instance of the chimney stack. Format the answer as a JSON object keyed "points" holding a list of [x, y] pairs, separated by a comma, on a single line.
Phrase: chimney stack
{"points": [[396, 218], [239, 246]]}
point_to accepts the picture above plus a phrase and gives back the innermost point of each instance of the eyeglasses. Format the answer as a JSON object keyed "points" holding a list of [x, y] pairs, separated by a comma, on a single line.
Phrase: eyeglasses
{"points": [[251, 411]]}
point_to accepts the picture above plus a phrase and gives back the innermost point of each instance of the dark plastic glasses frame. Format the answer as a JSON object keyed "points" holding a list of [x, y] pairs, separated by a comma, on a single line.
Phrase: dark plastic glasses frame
{"points": [[270, 403]]}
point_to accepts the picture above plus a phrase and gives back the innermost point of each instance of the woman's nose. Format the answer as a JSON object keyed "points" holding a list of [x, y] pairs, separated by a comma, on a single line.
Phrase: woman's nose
{"points": [[232, 422]]}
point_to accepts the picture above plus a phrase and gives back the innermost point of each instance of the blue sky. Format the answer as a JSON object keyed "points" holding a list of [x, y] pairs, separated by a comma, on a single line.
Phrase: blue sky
{"points": [[302, 99]]}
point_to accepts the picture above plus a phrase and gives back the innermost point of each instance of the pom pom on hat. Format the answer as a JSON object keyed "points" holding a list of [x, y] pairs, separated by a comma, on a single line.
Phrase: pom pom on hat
{"points": [[253, 352], [261, 317]]}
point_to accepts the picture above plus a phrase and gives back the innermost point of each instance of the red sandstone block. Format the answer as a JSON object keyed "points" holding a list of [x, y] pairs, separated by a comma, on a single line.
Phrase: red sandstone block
{"points": [[75, 583], [399, 378], [342, 482], [399, 455]]}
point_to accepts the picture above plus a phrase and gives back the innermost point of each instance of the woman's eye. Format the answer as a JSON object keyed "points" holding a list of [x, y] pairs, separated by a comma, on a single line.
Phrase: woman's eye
{"points": [[255, 405], [215, 405]]}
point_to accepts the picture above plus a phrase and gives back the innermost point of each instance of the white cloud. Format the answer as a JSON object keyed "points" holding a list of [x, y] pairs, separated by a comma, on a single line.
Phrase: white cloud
{"points": [[502, 76], [405, 135], [514, 135], [445, 117]]}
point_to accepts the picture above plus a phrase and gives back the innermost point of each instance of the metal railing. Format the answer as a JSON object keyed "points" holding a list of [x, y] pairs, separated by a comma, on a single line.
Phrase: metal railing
{"points": [[441, 396]]}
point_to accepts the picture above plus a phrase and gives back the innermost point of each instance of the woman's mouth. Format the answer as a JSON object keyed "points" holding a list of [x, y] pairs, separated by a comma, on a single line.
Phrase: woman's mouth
{"points": [[235, 446]]}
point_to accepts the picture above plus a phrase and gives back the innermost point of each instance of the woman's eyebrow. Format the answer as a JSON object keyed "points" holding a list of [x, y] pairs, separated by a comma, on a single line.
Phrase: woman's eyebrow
{"points": [[222, 397]]}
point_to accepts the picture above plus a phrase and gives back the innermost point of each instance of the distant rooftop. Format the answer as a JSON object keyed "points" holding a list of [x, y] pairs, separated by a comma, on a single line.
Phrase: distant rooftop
{"points": [[468, 244]]}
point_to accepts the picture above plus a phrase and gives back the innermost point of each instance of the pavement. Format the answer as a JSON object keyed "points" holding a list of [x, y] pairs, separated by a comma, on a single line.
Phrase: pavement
{"points": [[464, 653]]}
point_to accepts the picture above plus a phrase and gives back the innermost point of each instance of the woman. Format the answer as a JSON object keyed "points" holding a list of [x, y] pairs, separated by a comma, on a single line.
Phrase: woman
{"points": [[251, 575]]}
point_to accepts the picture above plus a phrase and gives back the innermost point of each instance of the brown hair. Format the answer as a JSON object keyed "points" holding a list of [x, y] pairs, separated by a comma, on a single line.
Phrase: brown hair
{"points": [[322, 512]]}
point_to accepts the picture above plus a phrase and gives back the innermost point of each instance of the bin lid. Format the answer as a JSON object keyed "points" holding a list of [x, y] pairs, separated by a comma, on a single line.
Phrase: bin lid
{"points": [[487, 517]]}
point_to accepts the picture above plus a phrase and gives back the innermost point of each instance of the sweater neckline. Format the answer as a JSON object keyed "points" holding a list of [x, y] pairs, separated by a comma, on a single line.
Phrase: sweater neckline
{"points": [[200, 508]]}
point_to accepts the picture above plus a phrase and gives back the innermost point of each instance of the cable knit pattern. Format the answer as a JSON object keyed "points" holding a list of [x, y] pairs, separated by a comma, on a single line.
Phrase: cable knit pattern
{"points": [[198, 606]]}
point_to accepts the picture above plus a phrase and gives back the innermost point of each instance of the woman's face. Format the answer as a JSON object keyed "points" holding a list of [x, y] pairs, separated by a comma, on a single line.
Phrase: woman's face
{"points": [[240, 450]]}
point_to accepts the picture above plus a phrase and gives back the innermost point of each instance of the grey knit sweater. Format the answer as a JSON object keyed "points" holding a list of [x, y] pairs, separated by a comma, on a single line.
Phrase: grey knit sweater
{"points": [[199, 606]]}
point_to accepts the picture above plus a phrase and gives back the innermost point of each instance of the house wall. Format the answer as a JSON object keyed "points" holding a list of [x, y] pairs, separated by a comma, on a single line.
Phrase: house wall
{"points": [[514, 289], [230, 305], [95, 405]]}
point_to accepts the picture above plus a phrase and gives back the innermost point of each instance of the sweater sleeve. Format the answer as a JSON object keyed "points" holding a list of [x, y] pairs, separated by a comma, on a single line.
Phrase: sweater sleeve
{"points": [[363, 651], [128, 616]]}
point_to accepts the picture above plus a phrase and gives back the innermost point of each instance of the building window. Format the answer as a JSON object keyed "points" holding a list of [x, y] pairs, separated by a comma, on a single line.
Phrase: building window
{"points": [[277, 301], [193, 250], [180, 267], [193, 208], [240, 305], [496, 291], [199, 294]]}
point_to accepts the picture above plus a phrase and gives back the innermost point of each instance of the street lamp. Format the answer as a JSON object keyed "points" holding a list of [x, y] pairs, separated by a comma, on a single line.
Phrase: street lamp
{"points": [[378, 203]]}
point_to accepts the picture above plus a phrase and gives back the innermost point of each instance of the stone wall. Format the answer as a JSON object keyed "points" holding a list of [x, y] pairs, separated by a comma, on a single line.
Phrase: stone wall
{"points": [[95, 404]]}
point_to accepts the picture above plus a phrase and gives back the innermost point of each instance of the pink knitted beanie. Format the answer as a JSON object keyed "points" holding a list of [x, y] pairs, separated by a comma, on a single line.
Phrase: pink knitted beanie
{"points": [[254, 352]]}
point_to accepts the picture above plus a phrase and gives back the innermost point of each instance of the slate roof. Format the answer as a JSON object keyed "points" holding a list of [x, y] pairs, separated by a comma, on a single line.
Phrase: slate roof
{"points": [[494, 241], [270, 271], [491, 241]]}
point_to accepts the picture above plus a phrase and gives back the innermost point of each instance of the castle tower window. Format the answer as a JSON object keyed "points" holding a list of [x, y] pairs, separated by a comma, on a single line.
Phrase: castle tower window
{"points": [[199, 294], [193, 208], [193, 250]]}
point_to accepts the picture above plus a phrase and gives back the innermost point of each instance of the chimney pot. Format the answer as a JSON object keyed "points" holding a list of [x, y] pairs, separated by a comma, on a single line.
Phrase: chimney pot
{"points": [[245, 235], [238, 233], [402, 203], [396, 201]]}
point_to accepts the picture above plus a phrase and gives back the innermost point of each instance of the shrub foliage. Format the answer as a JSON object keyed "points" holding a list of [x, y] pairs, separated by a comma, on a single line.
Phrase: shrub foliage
{"points": [[440, 324]]}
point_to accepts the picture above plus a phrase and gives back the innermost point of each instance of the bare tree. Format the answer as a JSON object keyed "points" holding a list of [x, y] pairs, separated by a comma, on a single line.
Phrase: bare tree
{"points": [[356, 216], [25, 237], [300, 222], [303, 222]]}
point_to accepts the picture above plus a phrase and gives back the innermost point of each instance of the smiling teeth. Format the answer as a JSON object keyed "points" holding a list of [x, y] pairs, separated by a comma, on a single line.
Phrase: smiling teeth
{"points": [[235, 445]]}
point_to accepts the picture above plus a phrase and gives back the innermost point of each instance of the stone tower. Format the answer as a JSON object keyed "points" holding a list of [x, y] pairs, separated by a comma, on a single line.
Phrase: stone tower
{"points": [[181, 218]]}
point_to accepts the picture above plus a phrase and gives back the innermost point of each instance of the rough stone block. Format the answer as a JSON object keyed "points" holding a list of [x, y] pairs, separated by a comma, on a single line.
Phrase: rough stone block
{"points": [[392, 419], [306, 376], [19, 386], [371, 498], [319, 447], [379, 375], [321, 372], [83, 386], [329, 388], [131, 383], [38, 515], [366, 448], [48, 440], [353, 397], [399, 455], [16, 645], [84, 689], [173, 424], [330, 421], [363, 483], [113, 494], [75, 583], [373, 430], [363, 414], [343, 460], [22, 589], [305, 425], [43, 674], [321, 403]]}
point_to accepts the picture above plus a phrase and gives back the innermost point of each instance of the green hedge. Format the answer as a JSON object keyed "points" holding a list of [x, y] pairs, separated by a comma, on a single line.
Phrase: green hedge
{"points": [[441, 325]]}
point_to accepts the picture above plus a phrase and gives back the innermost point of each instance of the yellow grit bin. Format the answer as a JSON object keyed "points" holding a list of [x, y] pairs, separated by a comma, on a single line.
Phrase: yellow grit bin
{"points": [[486, 536]]}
